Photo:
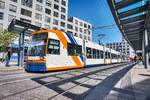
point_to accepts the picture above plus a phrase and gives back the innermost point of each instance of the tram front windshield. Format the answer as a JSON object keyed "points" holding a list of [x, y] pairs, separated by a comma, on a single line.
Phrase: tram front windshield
{"points": [[37, 47]]}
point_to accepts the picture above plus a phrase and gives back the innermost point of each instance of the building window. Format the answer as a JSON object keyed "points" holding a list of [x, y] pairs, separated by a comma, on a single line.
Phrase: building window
{"points": [[63, 17], [85, 37], [89, 33], [38, 16], [41, 1], [89, 38], [1, 26], [85, 31], [56, 7], [63, 10], [53, 47], [25, 20], [56, 1], [81, 24], [26, 12], [47, 19], [13, 0], [69, 26], [47, 11], [12, 8], [62, 24], [80, 36], [63, 3], [76, 28], [55, 14], [2, 5], [80, 29], [55, 22], [76, 34], [11, 17], [85, 25], [76, 22], [62, 30], [27, 3], [55, 28], [38, 24], [46, 26], [89, 27], [48, 3], [1, 15], [38, 7]]}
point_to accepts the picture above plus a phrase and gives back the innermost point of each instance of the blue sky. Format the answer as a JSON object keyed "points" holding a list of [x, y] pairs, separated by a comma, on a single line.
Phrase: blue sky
{"points": [[97, 13]]}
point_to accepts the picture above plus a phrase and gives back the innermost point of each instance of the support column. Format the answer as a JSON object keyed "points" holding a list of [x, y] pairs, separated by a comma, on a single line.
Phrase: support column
{"points": [[21, 49], [146, 56]]}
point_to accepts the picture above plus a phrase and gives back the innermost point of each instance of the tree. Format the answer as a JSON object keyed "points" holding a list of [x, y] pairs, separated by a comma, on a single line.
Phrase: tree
{"points": [[6, 38]]}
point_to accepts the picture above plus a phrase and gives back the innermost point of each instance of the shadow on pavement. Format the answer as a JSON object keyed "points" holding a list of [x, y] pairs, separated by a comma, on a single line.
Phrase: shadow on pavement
{"points": [[84, 90]]}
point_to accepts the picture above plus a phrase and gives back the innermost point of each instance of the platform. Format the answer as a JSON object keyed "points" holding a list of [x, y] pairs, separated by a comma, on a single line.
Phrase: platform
{"points": [[134, 85]]}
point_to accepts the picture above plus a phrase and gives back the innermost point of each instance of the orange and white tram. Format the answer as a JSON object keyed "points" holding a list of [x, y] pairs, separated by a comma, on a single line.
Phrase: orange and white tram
{"points": [[56, 50]]}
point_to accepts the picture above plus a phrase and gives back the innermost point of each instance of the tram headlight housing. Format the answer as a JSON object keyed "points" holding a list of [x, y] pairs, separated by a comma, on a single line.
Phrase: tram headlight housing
{"points": [[42, 58]]}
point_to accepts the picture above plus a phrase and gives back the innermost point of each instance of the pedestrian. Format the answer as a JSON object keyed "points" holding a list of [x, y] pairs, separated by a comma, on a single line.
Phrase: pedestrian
{"points": [[8, 55]]}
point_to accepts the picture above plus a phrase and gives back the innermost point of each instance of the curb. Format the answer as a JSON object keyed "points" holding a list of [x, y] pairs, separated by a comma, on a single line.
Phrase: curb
{"points": [[11, 69]]}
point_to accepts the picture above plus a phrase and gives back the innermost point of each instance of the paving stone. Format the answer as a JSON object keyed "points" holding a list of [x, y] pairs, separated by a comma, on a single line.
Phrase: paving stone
{"points": [[78, 90], [92, 82], [67, 85], [49, 79]]}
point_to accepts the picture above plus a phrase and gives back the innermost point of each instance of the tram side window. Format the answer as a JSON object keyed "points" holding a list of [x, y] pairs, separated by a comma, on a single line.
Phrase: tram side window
{"points": [[94, 53], [118, 56], [74, 50], [88, 52], [101, 54], [98, 54], [114, 56], [71, 49], [53, 47], [78, 50], [106, 55], [109, 55]]}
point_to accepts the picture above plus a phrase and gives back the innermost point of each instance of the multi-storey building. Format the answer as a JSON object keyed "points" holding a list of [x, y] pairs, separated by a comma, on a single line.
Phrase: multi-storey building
{"points": [[49, 14], [123, 47], [80, 28]]}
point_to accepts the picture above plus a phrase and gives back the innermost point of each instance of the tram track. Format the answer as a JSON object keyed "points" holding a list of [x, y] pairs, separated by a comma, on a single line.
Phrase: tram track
{"points": [[9, 80], [60, 94], [53, 83]]}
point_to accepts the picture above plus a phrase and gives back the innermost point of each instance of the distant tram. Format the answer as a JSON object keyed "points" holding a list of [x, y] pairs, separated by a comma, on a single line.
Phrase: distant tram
{"points": [[54, 50]]}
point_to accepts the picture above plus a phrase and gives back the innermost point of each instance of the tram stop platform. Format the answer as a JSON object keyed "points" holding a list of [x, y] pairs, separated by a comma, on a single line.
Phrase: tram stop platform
{"points": [[134, 85], [10, 68]]}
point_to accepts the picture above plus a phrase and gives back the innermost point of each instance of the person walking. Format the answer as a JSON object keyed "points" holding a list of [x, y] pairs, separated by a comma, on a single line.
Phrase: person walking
{"points": [[8, 55]]}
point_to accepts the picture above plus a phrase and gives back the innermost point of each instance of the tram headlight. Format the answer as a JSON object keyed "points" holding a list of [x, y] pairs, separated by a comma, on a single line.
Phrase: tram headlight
{"points": [[42, 58]]}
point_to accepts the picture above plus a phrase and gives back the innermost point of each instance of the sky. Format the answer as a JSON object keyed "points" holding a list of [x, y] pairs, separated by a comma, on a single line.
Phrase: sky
{"points": [[97, 13]]}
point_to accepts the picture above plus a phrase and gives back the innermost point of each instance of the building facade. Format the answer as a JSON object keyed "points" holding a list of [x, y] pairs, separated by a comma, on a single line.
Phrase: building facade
{"points": [[123, 47], [80, 28], [49, 14]]}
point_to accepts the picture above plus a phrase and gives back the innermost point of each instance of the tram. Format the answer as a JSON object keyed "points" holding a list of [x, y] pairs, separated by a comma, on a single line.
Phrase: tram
{"points": [[55, 50]]}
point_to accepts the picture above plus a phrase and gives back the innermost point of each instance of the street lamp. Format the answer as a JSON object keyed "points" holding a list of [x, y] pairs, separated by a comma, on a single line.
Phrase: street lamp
{"points": [[100, 36]]}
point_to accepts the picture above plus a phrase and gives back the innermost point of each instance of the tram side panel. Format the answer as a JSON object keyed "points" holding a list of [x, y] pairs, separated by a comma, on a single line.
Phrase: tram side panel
{"points": [[60, 60], [107, 55], [94, 54], [114, 56]]}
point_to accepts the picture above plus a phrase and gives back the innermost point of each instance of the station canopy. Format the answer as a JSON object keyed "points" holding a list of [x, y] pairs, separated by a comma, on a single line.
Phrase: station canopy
{"points": [[132, 19], [17, 26]]}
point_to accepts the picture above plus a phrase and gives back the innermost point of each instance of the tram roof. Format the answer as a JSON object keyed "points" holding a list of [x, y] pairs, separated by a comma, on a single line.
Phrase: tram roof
{"points": [[132, 18]]}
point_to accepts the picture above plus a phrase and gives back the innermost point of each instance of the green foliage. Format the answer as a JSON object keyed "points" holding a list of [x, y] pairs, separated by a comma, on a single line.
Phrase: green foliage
{"points": [[6, 38]]}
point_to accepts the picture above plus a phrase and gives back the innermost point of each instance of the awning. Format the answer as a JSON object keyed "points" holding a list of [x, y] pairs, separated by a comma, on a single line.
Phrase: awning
{"points": [[132, 18]]}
